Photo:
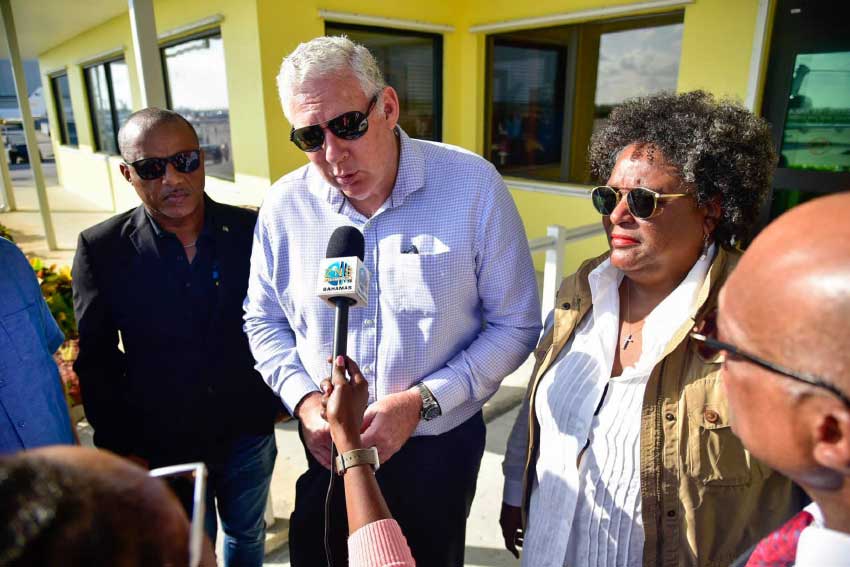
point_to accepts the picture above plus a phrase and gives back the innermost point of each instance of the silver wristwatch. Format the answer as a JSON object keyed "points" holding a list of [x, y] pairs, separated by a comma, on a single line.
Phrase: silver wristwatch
{"points": [[430, 406]]}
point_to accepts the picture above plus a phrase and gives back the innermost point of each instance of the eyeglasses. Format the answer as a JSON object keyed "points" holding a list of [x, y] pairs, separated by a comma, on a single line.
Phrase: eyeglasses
{"points": [[643, 202], [154, 168], [197, 474], [348, 126], [710, 348]]}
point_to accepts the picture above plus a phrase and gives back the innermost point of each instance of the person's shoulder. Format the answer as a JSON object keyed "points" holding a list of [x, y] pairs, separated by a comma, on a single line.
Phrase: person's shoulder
{"points": [[109, 228], [441, 153], [290, 193], [241, 215], [11, 253]]}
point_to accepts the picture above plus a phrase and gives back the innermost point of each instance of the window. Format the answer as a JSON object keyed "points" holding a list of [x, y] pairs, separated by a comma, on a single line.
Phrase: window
{"points": [[807, 101], [110, 102], [64, 111], [549, 89], [412, 64], [196, 85]]}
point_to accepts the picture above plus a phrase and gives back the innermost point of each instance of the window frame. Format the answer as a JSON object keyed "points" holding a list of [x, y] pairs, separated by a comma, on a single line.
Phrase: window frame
{"points": [[64, 136], [437, 39], [107, 65], [581, 41], [789, 38], [204, 33]]}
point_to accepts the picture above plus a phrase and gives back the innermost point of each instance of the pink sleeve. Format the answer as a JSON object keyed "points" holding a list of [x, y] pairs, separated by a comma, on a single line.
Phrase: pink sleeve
{"points": [[379, 544]]}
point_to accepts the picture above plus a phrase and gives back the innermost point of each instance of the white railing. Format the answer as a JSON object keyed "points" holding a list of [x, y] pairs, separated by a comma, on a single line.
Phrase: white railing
{"points": [[553, 244]]}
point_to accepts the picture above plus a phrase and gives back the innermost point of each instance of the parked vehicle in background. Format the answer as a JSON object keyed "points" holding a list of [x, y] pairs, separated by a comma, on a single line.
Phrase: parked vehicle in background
{"points": [[15, 144]]}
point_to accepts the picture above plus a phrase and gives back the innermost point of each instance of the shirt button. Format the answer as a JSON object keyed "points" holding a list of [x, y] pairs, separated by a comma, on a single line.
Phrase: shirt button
{"points": [[670, 417], [671, 513], [368, 323], [541, 353], [21, 424], [711, 416], [188, 284], [367, 368]]}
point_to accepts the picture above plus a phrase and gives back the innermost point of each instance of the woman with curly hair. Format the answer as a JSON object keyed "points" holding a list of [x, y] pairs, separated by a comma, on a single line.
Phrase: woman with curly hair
{"points": [[622, 453]]}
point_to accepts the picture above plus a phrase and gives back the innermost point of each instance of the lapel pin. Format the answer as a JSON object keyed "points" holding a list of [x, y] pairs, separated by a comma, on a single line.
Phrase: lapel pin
{"points": [[225, 228]]}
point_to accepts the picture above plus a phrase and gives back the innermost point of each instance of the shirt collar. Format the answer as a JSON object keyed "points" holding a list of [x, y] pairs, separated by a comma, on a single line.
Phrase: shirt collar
{"points": [[820, 546], [409, 178], [206, 230], [661, 324]]}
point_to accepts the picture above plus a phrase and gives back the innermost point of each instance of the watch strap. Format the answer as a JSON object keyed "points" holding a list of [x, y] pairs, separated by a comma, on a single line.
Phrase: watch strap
{"points": [[356, 458], [430, 405]]}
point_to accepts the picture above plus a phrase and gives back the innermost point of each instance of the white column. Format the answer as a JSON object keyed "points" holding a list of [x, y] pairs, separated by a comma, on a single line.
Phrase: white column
{"points": [[148, 62], [26, 119], [553, 271], [757, 58], [9, 203]]}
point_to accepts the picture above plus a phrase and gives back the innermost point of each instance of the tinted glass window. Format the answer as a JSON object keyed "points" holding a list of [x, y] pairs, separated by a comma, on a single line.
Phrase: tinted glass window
{"points": [[64, 110], [197, 89]]}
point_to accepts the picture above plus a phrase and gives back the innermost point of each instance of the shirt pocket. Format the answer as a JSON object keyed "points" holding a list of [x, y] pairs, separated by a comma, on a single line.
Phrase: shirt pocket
{"points": [[21, 330], [415, 283], [716, 457]]}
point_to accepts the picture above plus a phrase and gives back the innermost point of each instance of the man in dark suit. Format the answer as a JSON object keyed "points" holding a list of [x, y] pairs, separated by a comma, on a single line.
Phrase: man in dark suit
{"points": [[165, 370]]}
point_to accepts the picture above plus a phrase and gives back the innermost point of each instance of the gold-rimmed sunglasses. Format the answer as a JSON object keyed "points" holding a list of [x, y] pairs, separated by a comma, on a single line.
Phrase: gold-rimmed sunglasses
{"points": [[643, 202]]}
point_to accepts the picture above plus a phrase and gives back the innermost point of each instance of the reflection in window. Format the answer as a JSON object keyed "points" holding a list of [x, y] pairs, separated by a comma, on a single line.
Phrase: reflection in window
{"points": [[636, 62], [64, 111], [817, 125], [549, 89], [197, 89], [110, 102], [528, 105], [411, 64]]}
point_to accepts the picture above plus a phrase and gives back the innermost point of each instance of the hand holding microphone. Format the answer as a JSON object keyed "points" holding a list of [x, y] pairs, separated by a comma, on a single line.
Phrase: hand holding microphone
{"points": [[343, 283], [344, 402]]}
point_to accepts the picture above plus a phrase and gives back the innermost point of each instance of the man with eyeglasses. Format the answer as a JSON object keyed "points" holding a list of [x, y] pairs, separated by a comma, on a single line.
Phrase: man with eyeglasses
{"points": [[782, 330], [165, 370], [452, 308]]}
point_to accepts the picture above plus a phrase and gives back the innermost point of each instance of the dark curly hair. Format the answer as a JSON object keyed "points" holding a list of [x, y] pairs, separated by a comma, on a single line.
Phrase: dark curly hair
{"points": [[720, 147]]}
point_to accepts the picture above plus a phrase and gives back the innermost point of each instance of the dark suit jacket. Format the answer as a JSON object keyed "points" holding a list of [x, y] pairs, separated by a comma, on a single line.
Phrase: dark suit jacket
{"points": [[148, 400]]}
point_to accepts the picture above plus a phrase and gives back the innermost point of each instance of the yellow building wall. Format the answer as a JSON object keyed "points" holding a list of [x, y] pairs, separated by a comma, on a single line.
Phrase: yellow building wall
{"points": [[257, 34], [94, 175], [716, 51]]}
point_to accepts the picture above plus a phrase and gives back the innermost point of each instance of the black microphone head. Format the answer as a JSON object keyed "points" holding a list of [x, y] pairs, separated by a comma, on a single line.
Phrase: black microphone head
{"points": [[346, 241]]}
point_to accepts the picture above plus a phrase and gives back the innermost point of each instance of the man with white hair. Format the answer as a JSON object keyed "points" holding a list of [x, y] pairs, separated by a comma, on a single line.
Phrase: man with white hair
{"points": [[453, 305]]}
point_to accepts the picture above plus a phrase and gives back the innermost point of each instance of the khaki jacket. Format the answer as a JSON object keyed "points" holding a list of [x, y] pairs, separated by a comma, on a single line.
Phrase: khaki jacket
{"points": [[705, 499]]}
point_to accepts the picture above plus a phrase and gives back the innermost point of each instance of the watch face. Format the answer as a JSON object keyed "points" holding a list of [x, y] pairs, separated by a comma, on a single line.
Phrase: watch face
{"points": [[430, 412]]}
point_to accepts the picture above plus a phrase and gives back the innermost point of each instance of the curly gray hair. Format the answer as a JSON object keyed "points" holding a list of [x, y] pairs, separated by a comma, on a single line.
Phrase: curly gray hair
{"points": [[325, 56], [720, 147]]}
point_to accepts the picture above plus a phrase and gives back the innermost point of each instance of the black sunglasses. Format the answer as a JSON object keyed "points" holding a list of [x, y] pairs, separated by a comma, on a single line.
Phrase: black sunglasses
{"points": [[709, 348], [643, 202], [348, 126], [154, 168]]}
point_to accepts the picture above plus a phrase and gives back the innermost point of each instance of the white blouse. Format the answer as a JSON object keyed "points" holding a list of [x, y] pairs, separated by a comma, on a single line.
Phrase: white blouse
{"points": [[589, 513]]}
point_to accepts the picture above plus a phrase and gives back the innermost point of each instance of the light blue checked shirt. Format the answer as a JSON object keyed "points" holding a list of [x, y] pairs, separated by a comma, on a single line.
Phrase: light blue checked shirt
{"points": [[458, 316]]}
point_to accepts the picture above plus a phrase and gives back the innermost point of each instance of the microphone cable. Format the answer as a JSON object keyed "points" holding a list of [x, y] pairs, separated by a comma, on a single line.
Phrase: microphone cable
{"points": [[328, 499]]}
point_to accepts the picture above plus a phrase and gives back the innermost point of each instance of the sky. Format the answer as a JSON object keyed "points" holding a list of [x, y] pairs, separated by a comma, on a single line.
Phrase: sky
{"points": [[638, 62]]}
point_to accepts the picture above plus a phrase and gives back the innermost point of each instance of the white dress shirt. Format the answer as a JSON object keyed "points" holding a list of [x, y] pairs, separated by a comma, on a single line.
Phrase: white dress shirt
{"points": [[819, 546], [452, 299], [590, 514]]}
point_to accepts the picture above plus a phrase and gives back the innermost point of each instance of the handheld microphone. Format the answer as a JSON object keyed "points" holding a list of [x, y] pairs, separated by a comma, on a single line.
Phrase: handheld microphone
{"points": [[344, 280], [343, 283]]}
